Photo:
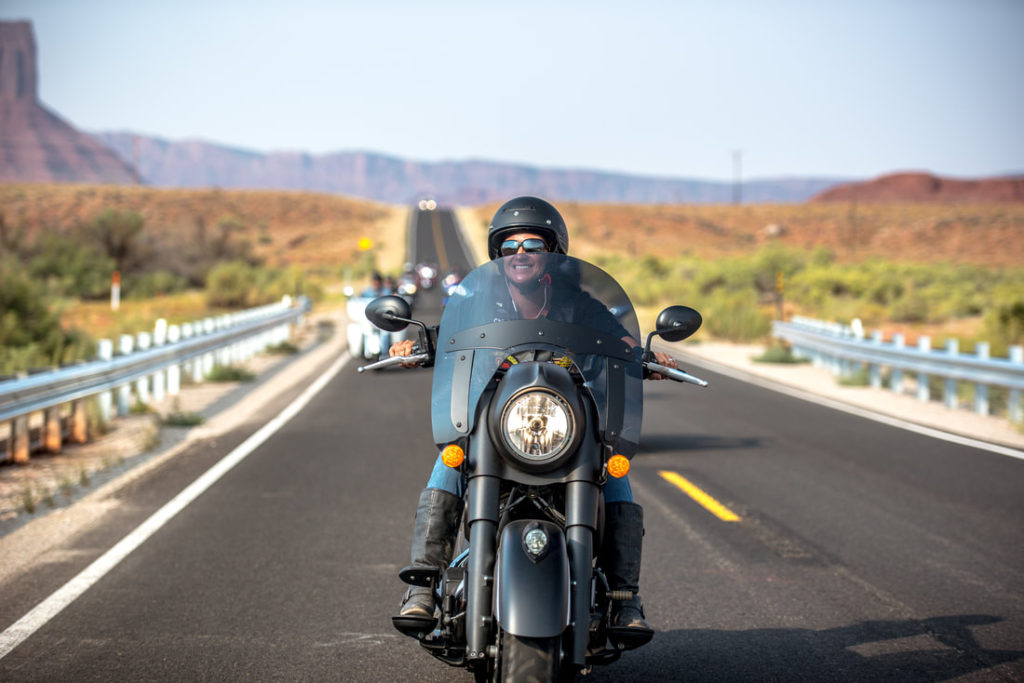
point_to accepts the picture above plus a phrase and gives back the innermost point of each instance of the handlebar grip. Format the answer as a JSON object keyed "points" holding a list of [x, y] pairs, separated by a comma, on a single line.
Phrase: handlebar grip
{"points": [[677, 375], [395, 360]]}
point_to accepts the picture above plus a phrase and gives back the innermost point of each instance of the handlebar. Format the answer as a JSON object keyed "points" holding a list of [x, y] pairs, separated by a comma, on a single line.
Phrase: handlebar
{"points": [[672, 373], [417, 358]]}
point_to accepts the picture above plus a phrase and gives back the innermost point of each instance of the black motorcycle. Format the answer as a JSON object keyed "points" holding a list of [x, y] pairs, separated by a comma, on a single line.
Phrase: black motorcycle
{"points": [[536, 413]]}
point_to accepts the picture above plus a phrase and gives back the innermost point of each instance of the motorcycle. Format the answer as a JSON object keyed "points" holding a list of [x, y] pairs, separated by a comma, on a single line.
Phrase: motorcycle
{"points": [[537, 414]]}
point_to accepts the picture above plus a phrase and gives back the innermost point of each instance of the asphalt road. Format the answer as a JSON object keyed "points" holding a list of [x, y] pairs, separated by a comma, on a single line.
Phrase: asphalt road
{"points": [[862, 552]]}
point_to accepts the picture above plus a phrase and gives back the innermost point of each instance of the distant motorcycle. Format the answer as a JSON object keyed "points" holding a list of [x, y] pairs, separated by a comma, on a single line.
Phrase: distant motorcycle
{"points": [[427, 274], [448, 285], [536, 413]]}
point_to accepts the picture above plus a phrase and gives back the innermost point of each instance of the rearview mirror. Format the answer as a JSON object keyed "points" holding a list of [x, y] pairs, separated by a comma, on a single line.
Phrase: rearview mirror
{"points": [[389, 313], [676, 323]]}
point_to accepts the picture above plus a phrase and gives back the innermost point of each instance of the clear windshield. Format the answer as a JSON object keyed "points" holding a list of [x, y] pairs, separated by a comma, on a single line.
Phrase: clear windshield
{"points": [[557, 305]]}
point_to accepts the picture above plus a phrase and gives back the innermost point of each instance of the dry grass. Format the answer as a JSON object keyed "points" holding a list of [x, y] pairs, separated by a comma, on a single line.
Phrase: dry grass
{"points": [[285, 228], [320, 233], [979, 234]]}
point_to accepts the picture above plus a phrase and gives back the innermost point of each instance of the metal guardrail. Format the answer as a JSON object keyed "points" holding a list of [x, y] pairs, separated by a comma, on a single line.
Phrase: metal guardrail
{"points": [[148, 363], [844, 349]]}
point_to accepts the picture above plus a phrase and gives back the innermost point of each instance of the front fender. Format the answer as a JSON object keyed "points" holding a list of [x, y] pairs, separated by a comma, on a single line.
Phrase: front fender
{"points": [[531, 597]]}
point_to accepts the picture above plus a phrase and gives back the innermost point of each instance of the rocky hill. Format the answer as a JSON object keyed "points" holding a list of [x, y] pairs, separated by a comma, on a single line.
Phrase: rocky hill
{"points": [[924, 187], [395, 180], [35, 144]]}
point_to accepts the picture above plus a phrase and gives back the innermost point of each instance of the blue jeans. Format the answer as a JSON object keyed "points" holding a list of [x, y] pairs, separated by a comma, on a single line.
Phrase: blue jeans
{"points": [[452, 481]]}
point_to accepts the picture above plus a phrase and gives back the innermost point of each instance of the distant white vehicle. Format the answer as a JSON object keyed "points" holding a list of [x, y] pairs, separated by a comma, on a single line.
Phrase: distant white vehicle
{"points": [[427, 205], [364, 339]]}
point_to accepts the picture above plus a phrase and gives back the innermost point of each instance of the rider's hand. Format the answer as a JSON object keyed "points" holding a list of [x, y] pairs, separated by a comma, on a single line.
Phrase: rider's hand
{"points": [[402, 348], [662, 359]]}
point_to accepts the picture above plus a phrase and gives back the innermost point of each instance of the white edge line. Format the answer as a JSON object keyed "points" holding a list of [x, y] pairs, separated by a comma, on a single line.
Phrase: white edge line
{"points": [[851, 409], [69, 592]]}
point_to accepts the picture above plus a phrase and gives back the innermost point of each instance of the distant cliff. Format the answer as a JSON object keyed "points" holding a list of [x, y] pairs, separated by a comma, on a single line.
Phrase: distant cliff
{"points": [[394, 180], [925, 187], [35, 144]]}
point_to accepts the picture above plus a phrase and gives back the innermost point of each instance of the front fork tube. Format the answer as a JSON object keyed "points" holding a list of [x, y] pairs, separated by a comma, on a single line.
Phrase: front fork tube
{"points": [[581, 499], [484, 494]]}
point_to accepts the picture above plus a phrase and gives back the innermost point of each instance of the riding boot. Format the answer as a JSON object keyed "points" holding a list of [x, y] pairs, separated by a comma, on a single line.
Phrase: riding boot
{"points": [[437, 521], [620, 559]]}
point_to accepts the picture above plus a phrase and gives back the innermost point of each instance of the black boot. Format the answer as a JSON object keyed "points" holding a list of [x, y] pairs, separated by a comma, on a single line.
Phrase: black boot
{"points": [[437, 521], [620, 559]]}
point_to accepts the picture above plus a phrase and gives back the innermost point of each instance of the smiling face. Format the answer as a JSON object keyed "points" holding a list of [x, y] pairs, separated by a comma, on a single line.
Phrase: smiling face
{"points": [[522, 268]]}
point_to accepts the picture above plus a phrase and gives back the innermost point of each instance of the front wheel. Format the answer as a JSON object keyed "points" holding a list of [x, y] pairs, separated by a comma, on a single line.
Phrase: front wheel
{"points": [[535, 660]]}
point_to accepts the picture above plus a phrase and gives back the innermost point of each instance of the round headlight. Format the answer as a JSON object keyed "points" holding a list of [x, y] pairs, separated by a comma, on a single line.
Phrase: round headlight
{"points": [[537, 425]]}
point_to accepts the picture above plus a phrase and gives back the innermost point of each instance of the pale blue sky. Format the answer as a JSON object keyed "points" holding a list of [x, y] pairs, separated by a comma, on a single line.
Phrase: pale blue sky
{"points": [[853, 89]]}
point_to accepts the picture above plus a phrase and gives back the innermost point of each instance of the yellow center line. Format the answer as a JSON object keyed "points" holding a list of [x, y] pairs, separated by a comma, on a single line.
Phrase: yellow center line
{"points": [[716, 508], [442, 256]]}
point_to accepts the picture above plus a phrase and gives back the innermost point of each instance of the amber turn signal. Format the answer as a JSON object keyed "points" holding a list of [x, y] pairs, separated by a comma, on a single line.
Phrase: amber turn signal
{"points": [[618, 466], [453, 455]]}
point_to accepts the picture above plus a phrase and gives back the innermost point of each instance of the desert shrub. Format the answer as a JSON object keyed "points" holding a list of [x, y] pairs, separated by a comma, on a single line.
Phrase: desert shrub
{"points": [[238, 284], [30, 332], [1004, 321], [736, 317], [779, 353], [117, 232], [70, 267], [151, 284], [229, 373], [232, 285]]}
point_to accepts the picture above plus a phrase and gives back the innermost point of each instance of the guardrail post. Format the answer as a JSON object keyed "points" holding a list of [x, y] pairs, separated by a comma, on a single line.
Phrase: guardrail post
{"points": [[124, 392], [949, 394], [52, 436], [924, 345], [174, 372], [20, 438], [874, 369], [1013, 403], [159, 378], [104, 351], [208, 359], [981, 390], [79, 422], [896, 381], [142, 384]]}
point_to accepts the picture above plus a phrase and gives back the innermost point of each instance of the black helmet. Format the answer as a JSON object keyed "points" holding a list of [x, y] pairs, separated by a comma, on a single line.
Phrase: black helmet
{"points": [[527, 214]]}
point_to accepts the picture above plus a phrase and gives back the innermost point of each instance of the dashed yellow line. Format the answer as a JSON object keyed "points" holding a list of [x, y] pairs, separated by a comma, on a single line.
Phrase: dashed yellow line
{"points": [[713, 506]]}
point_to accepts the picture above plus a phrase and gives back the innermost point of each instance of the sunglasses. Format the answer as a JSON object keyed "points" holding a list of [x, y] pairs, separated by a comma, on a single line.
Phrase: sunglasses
{"points": [[531, 245]]}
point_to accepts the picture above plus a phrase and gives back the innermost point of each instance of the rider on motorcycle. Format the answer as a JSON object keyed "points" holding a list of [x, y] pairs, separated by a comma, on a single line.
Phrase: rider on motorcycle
{"points": [[521, 227]]}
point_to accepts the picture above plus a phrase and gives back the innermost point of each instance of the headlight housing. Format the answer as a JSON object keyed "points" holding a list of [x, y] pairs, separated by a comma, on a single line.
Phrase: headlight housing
{"points": [[537, 426]]}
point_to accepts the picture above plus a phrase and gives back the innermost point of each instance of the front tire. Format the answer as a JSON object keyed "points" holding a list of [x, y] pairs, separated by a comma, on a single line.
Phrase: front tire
{"points": [[530, 660]]}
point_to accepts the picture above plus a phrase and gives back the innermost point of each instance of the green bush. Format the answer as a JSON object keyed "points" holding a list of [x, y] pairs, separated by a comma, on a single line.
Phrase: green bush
{"points": [[736, 317], [229, 373], [1004, 321], [153, 284], [779, 353], [283, 348], [237, 284], [233, 285], [118, 233], [69, 267], [30, 332]]}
